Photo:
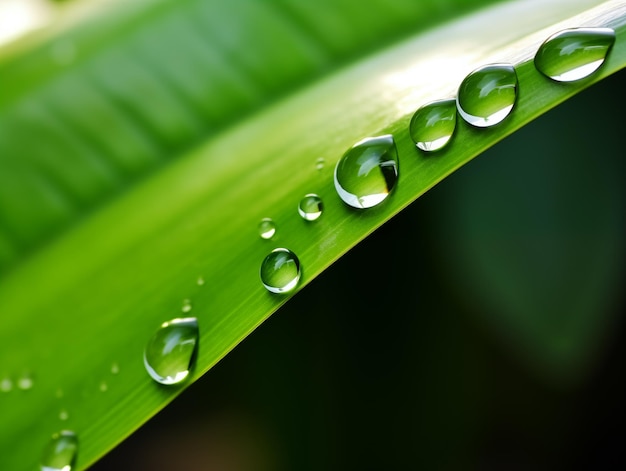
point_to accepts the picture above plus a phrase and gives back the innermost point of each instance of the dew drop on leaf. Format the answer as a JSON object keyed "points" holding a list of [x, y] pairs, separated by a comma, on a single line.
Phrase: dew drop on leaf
{"points": [[169, 353], [367, 172], [487, 95], [573, 54], [311, 207], [60, 452], [280, 271], [433, 124], [267, 228]]}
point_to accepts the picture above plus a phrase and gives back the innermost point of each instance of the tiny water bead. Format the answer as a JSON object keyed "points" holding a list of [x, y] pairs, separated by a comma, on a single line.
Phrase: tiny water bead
{"points": [[367, 172], [574, 54], [6, 384], [170, 352], [433, 124], [487, 95], [104, 387], [311, 207], [60, 453], [320, 163], [280, 271], [186, 307], [200, 281], [267, 228], [115, 368], [25, 382], [63, 415]]}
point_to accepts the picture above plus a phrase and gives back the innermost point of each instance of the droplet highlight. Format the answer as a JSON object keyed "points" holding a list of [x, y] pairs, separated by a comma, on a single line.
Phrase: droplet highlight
{"points": [[573, 54], [368, 172], [280, 271], [311, 207], [169, 354], [487, 95], [433, 125], [60, 453], [267, 228]]}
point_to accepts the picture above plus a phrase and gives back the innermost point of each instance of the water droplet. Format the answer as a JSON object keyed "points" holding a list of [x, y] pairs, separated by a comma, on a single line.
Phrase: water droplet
{"points": [[103, 386], [6, 384], [200, 281], [186, 307], [25, 382], [63, 415], [319, 163], [115, 368], [311, 207], [170, 352], [367, 172], [574, 54], [59, 393], [487, 95], [433, 124], [280, 271], [267, 228], [60, 453]]}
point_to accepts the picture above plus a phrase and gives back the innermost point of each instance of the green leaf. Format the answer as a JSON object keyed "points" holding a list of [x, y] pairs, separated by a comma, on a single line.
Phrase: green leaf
{"points": [[139, 158]]}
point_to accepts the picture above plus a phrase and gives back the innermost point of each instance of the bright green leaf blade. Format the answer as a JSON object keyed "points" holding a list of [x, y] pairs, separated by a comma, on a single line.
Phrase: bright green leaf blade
{"points": [[93, 298]]}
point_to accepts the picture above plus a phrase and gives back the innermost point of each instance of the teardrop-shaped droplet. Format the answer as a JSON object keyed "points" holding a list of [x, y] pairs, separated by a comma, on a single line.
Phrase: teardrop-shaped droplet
{"points": [[60, 453], [267, 228], [170, 352], [433, 124], [367, 172], [487, 95], [280, 271], [573, 54], [311, 207]]}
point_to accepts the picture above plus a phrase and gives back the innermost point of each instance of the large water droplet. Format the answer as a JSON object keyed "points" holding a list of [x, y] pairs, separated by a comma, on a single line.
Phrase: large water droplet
{"points": [[60, 453], [311, 207], [367, 172], [574, 54], [487, 95], [170, 352], [267, 228], [433, 124], [280, 271]]}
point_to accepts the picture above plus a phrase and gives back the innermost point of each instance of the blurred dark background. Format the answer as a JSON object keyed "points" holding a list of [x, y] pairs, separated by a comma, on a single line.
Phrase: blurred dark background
{"points": [[480, 329]]}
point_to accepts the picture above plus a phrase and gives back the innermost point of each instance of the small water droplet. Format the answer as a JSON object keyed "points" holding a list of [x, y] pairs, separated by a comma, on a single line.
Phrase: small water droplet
{"points": [[311, 207], [6, 384], [60, 453], [487, 95], [115, 368], [200, 281], [267, 228], [63, 415], [25, 382], [280, 271], [103, 386], [367, 172], [574, 54], [186, 307], [433, 124], [170, 352], [59, 393], [319, 163]]}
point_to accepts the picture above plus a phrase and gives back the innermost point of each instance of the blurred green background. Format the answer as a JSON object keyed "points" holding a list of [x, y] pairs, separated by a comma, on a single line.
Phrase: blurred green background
{"points": [[501, 345]]}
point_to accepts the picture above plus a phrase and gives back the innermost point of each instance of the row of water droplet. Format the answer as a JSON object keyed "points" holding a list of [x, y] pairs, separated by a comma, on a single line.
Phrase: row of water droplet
{"points": [[363, 178]]}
